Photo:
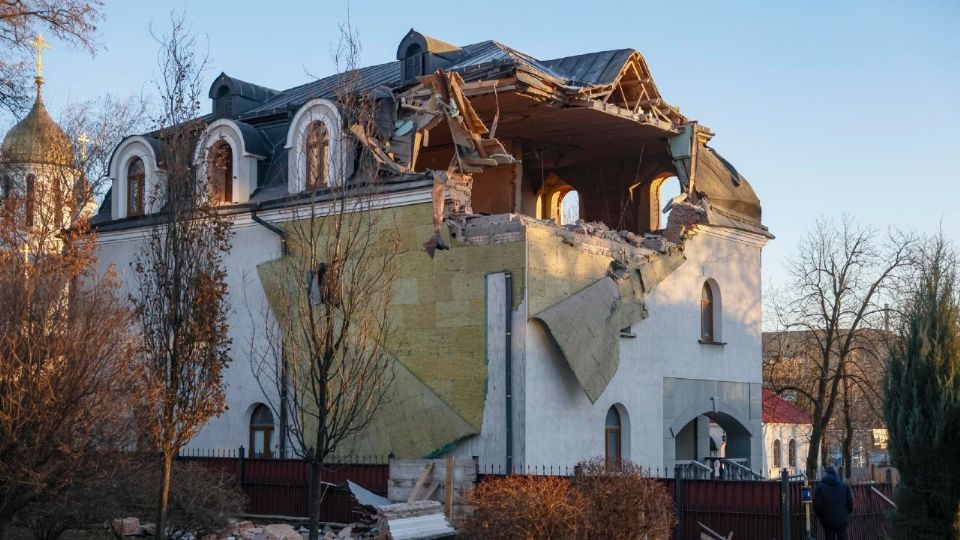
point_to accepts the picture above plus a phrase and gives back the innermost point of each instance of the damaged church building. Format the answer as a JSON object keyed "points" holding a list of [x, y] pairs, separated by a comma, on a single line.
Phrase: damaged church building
{"points": [[579, 269]]}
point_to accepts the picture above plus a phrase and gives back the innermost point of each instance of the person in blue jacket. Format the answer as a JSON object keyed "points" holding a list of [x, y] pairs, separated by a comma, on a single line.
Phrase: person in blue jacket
{"points": [[833, 504]]}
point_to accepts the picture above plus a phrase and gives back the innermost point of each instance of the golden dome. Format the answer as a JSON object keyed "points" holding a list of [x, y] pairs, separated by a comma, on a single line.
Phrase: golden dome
{"points": [[38, 139]]}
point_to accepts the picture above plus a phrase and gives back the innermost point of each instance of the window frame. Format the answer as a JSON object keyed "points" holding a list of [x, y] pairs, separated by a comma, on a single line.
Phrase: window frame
{"points": [[707, 322], [616, 431], [792, 453], [220, 171], [265, 429], [318, 129], [777, 454], [137, 207]]}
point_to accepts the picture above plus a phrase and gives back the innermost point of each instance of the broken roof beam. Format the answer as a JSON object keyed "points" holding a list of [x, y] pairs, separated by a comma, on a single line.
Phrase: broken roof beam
{"points": [[620, 112]]}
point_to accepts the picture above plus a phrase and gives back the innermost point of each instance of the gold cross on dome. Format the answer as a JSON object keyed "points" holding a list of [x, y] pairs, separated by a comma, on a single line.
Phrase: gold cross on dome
{"points": [[83, 140], [40, 44]]}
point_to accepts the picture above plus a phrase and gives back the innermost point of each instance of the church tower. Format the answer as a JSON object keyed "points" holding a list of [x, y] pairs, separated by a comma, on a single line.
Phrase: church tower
{"points": [[39, 170]]}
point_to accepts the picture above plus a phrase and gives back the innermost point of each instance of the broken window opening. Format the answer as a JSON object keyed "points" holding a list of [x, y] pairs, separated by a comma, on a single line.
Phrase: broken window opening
{"points": [[661, 192], [569, 208], [558, 202]]}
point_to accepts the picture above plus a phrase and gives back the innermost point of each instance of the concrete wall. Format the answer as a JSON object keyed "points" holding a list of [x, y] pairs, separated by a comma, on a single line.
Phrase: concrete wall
{"points": [[664, 370]]}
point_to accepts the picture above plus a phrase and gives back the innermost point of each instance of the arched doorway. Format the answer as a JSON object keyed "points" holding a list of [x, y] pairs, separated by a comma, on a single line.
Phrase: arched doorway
{"points": [[694, 431]]}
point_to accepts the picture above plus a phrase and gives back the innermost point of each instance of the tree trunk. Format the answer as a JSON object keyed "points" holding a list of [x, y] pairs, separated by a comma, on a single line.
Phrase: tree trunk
{"points": [[847, 430], [314, 499], [813, 452], [164, 502], [847, 444]]}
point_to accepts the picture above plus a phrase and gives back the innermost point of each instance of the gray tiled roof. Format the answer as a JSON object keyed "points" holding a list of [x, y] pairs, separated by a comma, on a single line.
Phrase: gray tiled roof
{"points": [[368, 77]]}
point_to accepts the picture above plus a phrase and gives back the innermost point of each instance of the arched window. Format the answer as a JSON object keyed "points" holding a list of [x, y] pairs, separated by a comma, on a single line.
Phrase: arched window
{"points": [[31, 180], [318, 147], [221, 172], [569, 207], [792, 452], [706, 314], [612, 436], [777, 454], [135, 185], [261, 429]]}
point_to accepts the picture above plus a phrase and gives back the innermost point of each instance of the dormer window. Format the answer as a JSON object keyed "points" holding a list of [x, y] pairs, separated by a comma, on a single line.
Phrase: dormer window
{"points": [[419, 54], [135, 173], [317, 149], [220, 172], [413, 61], [136, 180], [222, 103], [318, 152]]}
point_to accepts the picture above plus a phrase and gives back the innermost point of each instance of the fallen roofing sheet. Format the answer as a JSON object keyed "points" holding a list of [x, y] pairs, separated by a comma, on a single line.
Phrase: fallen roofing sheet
{"points": [[367, 497]]}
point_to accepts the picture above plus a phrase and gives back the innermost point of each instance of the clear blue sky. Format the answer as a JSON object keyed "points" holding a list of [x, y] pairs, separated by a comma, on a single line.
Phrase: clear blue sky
{"points": [[826, 107]]}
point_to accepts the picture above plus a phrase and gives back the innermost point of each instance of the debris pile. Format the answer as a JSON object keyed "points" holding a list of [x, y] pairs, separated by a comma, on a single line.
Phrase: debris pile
{"points": [[413, 520], [600, 230]]}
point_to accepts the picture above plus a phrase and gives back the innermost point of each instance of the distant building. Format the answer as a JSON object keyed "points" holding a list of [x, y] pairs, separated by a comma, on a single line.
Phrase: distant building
{"points": [[786, 435]]}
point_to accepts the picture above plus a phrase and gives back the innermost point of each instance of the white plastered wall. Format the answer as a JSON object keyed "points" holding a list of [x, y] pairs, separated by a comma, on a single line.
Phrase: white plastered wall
{"points": [[252, 244], [664, 370]]}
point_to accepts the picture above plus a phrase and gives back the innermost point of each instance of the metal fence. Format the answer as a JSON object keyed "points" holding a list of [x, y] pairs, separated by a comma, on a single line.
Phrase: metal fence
{"points": [[756, 509], [280, 487]]}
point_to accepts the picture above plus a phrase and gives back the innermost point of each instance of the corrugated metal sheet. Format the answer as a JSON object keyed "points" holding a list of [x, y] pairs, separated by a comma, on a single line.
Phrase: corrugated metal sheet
{"points": [[421, 527]]}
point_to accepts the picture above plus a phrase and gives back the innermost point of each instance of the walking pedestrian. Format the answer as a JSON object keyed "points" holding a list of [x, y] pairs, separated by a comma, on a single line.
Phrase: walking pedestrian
{"points": [[833, 504]]}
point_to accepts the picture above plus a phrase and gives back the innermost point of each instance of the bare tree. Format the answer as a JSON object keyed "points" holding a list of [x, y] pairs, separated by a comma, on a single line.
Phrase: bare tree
{"points": [[326, 348], [96, 127], [827, 316], [181, 302], [71, 21], [67, 385]]}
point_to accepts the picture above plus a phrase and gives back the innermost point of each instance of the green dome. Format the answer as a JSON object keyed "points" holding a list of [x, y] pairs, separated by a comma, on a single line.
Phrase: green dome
{"points": [[38, 139]]}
